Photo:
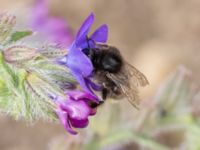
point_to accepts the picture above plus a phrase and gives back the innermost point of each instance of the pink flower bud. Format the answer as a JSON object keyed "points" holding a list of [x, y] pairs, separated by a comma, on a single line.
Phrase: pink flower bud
{"points": [[19, 54]]}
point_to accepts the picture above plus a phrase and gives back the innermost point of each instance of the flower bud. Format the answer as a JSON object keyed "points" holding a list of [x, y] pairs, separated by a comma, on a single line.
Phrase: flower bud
{"points": [[19, 54], [42, 89]]}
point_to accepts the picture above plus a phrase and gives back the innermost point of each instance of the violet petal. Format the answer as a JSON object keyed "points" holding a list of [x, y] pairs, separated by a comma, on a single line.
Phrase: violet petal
{"points": [[77, 95], [81, 81], [78, 110], [84, 29], [95, 86], [64, 119], [79, 123], [100, 34], [79, 62]]}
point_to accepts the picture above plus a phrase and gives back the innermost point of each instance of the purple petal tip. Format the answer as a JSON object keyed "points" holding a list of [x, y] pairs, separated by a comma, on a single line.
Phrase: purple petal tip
{"points": [[100, 34], [84, 29]]}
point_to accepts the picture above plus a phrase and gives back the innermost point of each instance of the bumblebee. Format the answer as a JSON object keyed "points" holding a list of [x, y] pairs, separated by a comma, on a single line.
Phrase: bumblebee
{"points": [[118, 78]]}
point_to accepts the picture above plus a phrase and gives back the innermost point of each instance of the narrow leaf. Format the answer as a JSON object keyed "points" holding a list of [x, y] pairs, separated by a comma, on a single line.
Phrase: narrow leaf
{"points": [[18, 35]]}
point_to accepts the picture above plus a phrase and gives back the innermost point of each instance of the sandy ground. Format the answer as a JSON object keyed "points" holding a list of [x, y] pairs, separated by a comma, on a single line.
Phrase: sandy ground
{"points": [[156, 36]]}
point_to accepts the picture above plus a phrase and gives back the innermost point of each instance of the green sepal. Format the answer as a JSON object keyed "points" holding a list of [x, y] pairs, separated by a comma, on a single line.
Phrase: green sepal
{"points": [[18, 35]]}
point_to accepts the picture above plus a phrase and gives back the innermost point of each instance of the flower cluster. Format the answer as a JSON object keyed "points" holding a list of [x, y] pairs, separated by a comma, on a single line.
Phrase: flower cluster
{"points": [[80, 65], [76, 109]]}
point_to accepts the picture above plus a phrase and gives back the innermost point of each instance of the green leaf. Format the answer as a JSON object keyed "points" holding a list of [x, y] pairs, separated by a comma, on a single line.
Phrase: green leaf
{"points": [[37, 107], [18, 35], [18, 100]]}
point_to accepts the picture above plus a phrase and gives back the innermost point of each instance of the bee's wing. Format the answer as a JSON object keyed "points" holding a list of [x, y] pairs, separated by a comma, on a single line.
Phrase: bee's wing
{"points": [[127, 80], [131, 93], [130, 70], [128, 89], [137, 76]]}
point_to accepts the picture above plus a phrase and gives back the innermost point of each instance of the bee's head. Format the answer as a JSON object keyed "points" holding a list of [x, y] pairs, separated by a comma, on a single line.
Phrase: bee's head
{"points": [[112, 62], [105, 60]]}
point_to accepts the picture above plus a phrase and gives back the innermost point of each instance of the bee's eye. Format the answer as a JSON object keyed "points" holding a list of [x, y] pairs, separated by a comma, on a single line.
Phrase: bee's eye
{"points": [[111, 63]]}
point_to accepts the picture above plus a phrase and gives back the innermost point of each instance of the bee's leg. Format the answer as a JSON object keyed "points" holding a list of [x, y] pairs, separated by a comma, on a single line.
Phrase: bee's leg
{"points": [[104, 93]]}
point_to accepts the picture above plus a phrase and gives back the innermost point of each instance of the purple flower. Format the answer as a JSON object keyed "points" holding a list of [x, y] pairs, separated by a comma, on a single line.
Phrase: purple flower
{"points": [[74, 111], [80, 65], [100, 35], [53, 28]]}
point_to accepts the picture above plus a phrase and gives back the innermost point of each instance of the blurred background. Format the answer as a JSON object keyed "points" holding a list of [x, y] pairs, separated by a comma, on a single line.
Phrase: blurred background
{"points": [[161, 39]]}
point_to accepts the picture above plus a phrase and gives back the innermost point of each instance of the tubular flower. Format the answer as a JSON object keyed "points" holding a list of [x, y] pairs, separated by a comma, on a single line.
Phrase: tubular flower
{"points": [[80, 65], [75, 111], [53, 28]]}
